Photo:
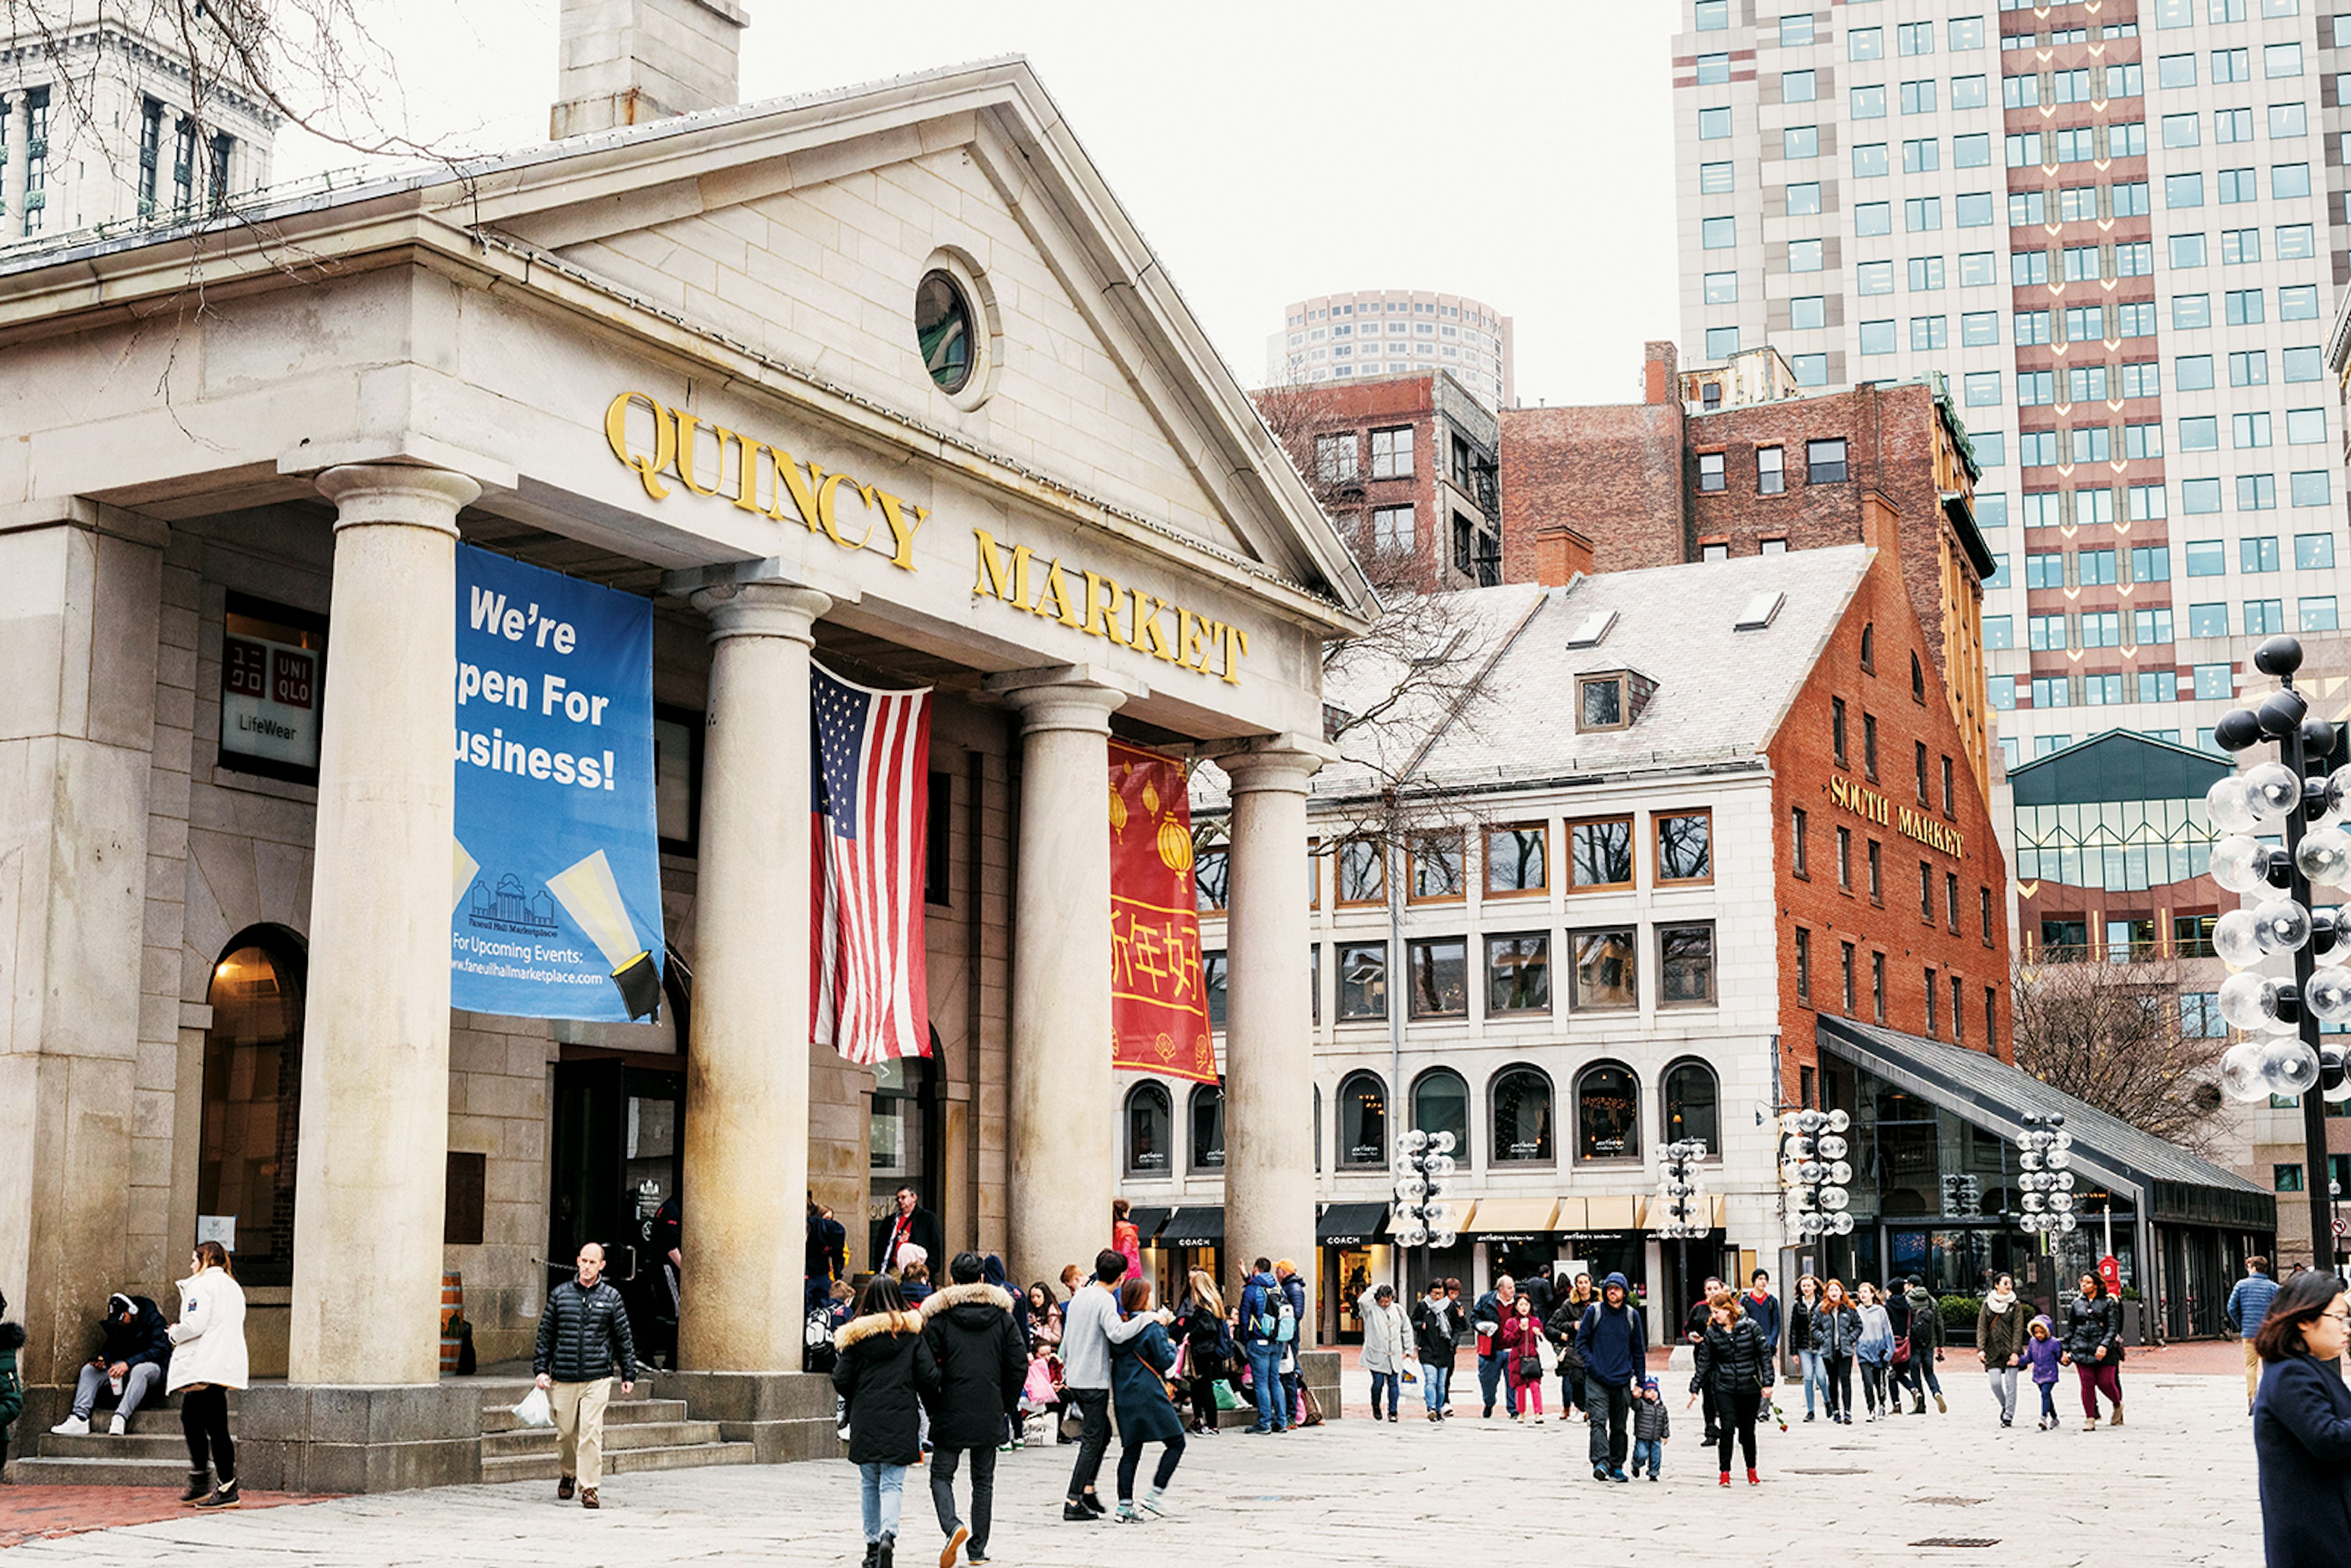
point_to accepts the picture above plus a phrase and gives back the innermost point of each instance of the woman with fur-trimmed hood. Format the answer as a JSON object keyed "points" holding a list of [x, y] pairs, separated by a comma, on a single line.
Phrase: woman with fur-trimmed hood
{"points": [[884, 1371]]}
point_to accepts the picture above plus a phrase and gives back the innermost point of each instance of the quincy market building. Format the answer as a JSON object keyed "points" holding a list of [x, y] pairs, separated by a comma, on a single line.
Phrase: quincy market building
{"points": [[708, 359]]}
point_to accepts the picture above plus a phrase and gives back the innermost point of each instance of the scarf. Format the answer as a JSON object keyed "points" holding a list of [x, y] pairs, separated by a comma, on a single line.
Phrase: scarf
{"points": [[1999, 1301]]}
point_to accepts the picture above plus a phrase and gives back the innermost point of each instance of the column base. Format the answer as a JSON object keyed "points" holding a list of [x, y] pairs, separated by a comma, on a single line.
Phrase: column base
{"points": [[321, 1437], [1319, 1369], [784, 1416]]}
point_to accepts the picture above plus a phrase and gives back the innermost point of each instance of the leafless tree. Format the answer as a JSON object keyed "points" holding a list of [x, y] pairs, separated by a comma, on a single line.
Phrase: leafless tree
{"points": [[2113, 1036]]}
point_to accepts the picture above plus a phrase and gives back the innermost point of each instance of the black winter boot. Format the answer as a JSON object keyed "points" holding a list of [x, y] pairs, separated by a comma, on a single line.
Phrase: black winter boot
{"points": [[199, 1486], [881, 1559]]}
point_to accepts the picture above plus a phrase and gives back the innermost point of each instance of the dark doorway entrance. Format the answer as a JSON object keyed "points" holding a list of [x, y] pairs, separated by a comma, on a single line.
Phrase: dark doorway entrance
{"points": [[616, 1162]]}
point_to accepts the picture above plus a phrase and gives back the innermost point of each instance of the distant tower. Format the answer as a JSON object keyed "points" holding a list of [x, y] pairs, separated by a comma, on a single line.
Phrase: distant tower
{"points": [[111, 112]]}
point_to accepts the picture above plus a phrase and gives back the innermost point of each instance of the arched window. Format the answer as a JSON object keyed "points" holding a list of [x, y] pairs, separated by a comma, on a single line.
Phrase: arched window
{"points": [[1149, 1139], [1315, 1133], [1918, 680], [1363, 1121], [252, 1099], [1208, 1127], [1691, 1100], [1522, 1118], [1441, 1103], [1607, 1112], [1869, 646]]}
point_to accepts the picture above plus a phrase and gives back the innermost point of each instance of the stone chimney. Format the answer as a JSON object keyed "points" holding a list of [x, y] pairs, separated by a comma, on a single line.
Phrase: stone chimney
{"points": [[625, 62]]}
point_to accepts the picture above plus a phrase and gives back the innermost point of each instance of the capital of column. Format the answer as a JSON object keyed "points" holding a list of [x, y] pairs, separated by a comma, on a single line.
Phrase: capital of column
{"points": [[1069, 696], [1281, 764], [397, 494], [762, 609]]}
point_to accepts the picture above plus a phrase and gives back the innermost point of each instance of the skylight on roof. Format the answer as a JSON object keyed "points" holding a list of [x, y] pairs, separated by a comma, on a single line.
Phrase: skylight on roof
{"points": [[1592, 629], [1760, 612]]}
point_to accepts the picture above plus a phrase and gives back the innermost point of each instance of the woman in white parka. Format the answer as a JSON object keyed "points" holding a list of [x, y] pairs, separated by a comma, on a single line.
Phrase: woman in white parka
{"points": [[207, 1360]]}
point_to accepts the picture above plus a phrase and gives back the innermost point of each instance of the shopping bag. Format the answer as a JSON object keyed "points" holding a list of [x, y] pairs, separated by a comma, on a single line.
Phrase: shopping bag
{"points": [[1073, 1424], [1550, 1356], [1039, 1390], [1227, 1398], [535, 1410]]}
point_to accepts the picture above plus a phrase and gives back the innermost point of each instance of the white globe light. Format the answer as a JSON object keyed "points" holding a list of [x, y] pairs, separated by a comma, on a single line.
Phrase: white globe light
{"points": [[2061, 1139], [2289, 1066], [2241, 863], [1800, 1148], [1790, 1172], [2061, 1182], [2328, 994], [2272, 790], [2281, 925], [2067, 1225], [2030, 1160], [1412, 1188], [1442, 1238], [1411, 1236], [1834, 1199], [2248, 1000], [1808, 1225], [2032, 1203], [1833, 1147], [1804, 1200], [2236, 938], [1809, 1121], [1788, 1123], [1441, 1166], [2240, 1071], [2325, 856], [2061, 1201], [1841, 1174], [1413, 1141], [2230, 804], [2338, 792], [1812, 1170], [1839, 1120], [1441, 1143], [2057, 1159], [1842, 1225]]}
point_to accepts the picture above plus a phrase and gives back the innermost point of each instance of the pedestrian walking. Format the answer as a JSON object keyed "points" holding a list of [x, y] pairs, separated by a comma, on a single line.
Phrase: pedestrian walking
{"points": [[1486, 1318], [2001, 1333], [583, 1337], [2094, 1347], [12, 1385], [972, 1338], [1925, 1346], [1436, 1339], [1615, 1347], [1523, 1341], [1837, 1334], [208, 1359], [1800, 1338], [1763, 1308], [2249, 1301], [1089, 1326], [1651, 1428], [1138, 1381], [1386, 1349], [1693, 1323], [1735, 1363], [886, 1370], [1874, 1350], [1207, 1349], [2044, 1352], [2302, 1423], [1125, 1237], [1266, 1337], [1894, 1297], [1561, 1329]]}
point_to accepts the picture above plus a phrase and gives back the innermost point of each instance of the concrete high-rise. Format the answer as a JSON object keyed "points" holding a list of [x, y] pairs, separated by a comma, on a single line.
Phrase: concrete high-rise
{"points": [[1393, 331], [2109, 228]]}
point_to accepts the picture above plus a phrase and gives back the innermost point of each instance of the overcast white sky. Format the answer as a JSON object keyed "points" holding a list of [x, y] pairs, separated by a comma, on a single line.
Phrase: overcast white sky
{"points": [[1519, 151]]}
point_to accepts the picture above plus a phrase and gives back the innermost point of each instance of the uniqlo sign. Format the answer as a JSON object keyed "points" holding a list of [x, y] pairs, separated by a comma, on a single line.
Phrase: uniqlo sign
{"points": [[272, 673]]}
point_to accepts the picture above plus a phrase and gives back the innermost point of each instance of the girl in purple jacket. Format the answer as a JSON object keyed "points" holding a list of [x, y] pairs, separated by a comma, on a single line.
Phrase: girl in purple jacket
{"points": [[2041, 1352]]}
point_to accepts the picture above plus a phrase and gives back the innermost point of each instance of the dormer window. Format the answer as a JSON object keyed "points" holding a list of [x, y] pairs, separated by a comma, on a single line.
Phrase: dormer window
{"points": [[1611, 699]]}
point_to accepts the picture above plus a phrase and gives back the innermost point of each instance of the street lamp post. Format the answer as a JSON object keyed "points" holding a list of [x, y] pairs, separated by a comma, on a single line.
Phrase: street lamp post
{"points": [[2282, 1017], [1685, 1204], [1814, 1168], [1424, 1162]]}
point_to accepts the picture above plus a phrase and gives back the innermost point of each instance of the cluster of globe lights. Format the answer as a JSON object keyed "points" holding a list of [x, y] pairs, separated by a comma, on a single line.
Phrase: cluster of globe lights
{"points": [[1814, 1163], [2044, 1159], [1423, 1163], [2273, 1059], [1681, 1191]]}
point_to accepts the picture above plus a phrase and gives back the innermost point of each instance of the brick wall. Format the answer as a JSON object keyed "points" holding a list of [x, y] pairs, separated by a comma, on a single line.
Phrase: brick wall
{"points": [[1614, 474]]}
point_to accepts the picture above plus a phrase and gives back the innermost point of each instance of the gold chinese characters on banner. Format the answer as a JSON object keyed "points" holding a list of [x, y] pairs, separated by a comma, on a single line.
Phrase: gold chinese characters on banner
{"points": [[1159, 1006]]}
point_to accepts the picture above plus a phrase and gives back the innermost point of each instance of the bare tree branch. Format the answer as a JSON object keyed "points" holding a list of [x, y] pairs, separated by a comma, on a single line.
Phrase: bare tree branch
{"points": [[2112, 1035]]}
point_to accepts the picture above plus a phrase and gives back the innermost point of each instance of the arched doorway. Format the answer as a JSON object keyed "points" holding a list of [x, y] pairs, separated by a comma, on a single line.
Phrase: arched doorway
{"points": [[252, 1101]]}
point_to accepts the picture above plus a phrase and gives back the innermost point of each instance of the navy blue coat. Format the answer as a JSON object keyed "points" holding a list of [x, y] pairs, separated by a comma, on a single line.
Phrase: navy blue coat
{"points": [[1138, 1388], [2302, 1437]]}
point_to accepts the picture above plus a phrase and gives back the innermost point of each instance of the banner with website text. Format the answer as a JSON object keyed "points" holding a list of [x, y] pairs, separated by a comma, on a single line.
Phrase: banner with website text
{"points": [[557, 889], [1159, 1004]]}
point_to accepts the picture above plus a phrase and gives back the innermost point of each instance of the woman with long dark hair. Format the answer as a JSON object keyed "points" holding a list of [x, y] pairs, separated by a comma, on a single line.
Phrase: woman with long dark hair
{"points": [[1836, 1330], [885, 1370], [1875, 1350], [1138, 1388], [1734, 1362], [208, 1360], [1202, 1327], [2302, 1423], [1800, 1336], [2094, 1348]]}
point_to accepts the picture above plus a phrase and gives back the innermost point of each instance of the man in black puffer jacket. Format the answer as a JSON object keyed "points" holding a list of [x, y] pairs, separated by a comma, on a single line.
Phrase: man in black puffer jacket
{"points": [[972, 1336], [583, 1334]]}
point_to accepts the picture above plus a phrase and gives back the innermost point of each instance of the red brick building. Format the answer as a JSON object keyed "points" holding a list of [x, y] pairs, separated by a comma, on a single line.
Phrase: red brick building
{"points": [[1733, 460]]}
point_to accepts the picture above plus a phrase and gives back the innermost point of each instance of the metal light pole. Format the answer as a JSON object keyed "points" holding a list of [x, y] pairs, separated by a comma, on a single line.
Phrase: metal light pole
{"points": [[1684, 1202], [1424, 1162], [1812, 1162]]}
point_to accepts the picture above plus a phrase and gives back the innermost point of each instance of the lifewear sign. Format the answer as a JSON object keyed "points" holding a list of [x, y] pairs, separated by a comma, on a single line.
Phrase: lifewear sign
{"points": [[557, 885]]}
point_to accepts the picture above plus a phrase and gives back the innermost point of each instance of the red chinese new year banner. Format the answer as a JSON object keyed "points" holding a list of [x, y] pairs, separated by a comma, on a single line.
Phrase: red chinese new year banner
{"points": [[1158, 1011]]}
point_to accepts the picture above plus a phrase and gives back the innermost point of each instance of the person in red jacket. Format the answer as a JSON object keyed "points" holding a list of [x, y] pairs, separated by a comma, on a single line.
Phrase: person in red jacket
{"points": [[1521, 1345]]}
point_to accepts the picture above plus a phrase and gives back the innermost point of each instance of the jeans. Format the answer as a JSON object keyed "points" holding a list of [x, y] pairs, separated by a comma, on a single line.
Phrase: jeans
{"points": [[1873, 1384], [1293, 1407], [1837, 1378], [1571, 1389], [2099, 1377], [1130, 1460], [1610, 1403], [1815, 1376], [1735, 1413], [1489, 1378], [1393, 1384], [93, 1381], [944, 1463], [1919, 1373], [2003, 1388], [1094, 1441], [2048, 1400], [1649, 1452], [1265, 1379], [204, 1419], [880, 1489], [1436, 1384]]}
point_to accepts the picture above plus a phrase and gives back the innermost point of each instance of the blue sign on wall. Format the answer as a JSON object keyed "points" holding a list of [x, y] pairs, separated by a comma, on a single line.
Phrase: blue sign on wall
{"points": [[557, 873]]}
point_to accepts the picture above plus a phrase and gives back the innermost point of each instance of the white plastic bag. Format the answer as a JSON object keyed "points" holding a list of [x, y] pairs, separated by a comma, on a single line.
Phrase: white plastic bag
{"points": [[535, 1410]]}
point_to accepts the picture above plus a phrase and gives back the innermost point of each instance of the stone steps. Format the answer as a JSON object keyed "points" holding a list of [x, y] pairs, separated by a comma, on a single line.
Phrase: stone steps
{"points": [[628, 1435], [618, 1461], [500, 1418], [142, 1442], [46, 1471]]}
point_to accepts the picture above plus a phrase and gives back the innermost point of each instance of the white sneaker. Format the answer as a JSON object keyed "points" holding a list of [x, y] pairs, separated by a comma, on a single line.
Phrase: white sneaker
{"points": [[116, 1428], [71, 1427]]}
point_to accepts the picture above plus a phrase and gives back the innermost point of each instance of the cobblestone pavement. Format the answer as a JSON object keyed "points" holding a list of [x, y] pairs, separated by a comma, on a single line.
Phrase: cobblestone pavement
{"points": [[2174, 1486]]}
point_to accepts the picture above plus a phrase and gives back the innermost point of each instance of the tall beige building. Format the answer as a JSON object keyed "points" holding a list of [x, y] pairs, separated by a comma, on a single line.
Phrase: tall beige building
{"points": [[1395, 331]]}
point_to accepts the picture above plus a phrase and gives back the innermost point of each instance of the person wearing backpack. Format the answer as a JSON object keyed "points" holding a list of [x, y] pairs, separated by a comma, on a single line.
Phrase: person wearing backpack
{"points": [[12, 1387], [1293, 1296], [1264, 1305], [1614, 1343]]}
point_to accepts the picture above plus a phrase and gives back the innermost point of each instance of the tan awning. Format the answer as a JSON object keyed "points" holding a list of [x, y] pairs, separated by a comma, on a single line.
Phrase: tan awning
{"points": [[1572, 1215], [1617, 1213], [1512, 1216]]}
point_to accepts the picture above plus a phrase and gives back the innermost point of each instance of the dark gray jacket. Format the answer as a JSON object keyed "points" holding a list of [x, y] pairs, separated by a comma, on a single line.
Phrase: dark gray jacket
{"points": [[583, 1335]]}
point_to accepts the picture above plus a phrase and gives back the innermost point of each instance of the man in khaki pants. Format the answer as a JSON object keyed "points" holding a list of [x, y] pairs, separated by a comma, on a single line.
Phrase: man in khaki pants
{"points": [[2248, 1304], [583, 1334]]}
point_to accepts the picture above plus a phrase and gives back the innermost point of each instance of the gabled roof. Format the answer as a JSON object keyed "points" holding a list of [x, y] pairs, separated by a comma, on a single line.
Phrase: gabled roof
{"points": [[2120, 765]]}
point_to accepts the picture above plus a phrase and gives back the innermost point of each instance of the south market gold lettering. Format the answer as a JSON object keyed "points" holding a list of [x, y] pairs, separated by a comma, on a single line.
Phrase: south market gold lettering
{"points": [[764, 479], [1090, 602], [1872, 807]]}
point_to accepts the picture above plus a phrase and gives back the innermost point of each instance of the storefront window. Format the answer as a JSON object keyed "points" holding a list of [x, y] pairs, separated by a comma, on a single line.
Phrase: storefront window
{"points": [[1517, 974], [1208, 1127], [1522, 1124], [1607, 1113], [1604, 968], [1441, 1103], [1148, 1138], [1362, 981], [1363, 1122], [1690, 1105], [252, 1101], [1440, 977]]}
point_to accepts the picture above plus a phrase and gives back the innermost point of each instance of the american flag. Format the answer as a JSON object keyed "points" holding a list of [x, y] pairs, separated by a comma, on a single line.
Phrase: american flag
{"points": [[866, 993]]}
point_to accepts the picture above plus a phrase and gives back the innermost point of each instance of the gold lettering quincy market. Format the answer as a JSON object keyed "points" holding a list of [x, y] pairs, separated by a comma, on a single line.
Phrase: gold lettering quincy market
{"points": [[764, 479], [1872, 807], [1096, 605]]}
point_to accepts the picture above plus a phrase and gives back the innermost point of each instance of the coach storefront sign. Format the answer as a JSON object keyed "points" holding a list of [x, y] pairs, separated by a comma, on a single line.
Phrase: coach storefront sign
{"points": [[1872, 807]]}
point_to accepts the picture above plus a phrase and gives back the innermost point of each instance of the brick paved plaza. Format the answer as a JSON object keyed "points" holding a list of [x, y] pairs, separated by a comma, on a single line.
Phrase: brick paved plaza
{"points": [[2174, 1486]]}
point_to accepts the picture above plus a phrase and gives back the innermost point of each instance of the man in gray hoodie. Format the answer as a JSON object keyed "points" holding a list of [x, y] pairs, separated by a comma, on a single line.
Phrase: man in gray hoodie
{"points": [[1091, 1327]]}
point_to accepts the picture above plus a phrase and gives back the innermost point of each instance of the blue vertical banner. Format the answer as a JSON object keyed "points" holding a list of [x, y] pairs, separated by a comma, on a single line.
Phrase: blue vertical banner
{"points": [[557, 873]]}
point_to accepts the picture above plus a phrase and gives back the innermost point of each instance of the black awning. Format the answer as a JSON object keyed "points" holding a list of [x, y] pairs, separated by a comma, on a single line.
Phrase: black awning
{"points": [[1147, 1221], [1349, 1224], [1194, 1228]]}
